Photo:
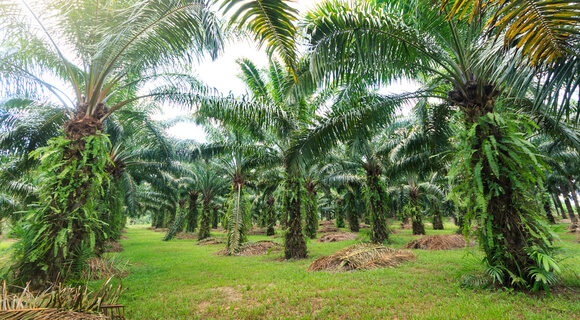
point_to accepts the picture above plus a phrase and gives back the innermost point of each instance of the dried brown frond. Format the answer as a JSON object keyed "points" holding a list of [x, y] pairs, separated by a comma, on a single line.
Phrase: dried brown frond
{"points": [[48, 314], [186, 236], [107, 267], [211, 241], [362, 256], [113, 246], [58, 302], [437, 242], [406, 226], [258, 232], [326, 223], [337, 236], [255, 248], [364, 226], [329, 229]]}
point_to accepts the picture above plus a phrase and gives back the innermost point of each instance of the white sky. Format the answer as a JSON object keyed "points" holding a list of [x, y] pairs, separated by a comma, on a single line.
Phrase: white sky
{"points": [[222, 72]]}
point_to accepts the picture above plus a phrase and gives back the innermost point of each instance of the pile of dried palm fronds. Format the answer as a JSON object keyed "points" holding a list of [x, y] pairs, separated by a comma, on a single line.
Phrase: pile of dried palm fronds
{"points": [[363, 225], [58, 302], [326, 223], [113, 246], [337, 236], [329, 229], [437, 242], [211, 241], [257, 232], [186, 236], [362, 256], [255, 248], [107, 267]]}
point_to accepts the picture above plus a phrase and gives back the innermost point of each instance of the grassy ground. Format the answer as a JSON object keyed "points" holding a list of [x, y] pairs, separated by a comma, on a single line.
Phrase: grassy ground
{"points": [[181, 280]]}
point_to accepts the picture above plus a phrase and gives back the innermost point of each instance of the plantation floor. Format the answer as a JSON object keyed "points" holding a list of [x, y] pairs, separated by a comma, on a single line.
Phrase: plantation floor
{"points": [[181, 280]]}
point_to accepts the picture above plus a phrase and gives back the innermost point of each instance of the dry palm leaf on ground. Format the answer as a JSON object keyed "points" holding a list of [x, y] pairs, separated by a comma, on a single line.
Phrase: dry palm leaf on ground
{"points": [[329, 229], [211, 241], [255, 248], [437, 242], [362, 256], [186, 236], [337, 236], [58, 302]]}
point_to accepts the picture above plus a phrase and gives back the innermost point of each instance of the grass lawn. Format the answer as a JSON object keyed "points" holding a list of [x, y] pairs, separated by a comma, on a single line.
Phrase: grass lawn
{"points": [[181, 280]]}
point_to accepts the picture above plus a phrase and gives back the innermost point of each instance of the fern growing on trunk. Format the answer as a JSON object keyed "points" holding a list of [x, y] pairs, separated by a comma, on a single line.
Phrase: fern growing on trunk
{"points": [[496, 171]]}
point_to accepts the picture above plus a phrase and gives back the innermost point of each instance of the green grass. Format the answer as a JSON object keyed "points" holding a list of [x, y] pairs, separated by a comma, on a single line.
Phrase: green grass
{"points": [[181, 280]]}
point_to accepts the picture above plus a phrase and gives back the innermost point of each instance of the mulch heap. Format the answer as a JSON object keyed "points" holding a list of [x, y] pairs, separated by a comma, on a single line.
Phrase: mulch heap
{"points": [[255, 248], [437, 242], [326, 223], [258, 232], [211, 241], [113, 246], [186, 236], [337, 236], [362, 256], [328, 229]]}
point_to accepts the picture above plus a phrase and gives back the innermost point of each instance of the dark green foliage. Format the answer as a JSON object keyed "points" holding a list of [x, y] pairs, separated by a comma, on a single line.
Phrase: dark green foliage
{"points": [[500, 171], [111, 214], [59, 235]]}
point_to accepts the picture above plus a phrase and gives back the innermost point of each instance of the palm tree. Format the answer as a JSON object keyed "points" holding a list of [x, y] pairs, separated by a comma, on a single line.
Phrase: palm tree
{"points": [[383, 42], [285, 108]]}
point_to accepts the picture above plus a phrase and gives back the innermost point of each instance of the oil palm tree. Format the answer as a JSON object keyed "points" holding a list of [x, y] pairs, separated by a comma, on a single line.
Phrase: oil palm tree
{"points": [[286, 108], [382, 42]]}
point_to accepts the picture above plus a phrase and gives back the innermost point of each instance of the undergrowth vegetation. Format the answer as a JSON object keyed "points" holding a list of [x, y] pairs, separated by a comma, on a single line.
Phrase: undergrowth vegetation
{"points": [[181, 280]]}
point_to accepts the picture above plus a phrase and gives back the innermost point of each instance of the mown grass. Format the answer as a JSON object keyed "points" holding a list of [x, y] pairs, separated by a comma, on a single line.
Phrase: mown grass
{"points": [[181, 280]]}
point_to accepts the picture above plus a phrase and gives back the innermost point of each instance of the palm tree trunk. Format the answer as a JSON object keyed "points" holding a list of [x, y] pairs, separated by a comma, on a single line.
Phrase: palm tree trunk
{"points": [[417, 215], [271, 216], [311, 225], [176, 227], [548, 211], [437, 219], [376, 202], [204, 228], [192, 216], [570, 210], [574, 196], [352, 215], [340, 214], [214, 217], [554, 202], [558, 202], [294, 246]]}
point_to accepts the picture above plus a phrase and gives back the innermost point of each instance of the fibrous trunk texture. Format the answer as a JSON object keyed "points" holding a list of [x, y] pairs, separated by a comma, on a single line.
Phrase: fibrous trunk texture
{"points": [[192, 214], [376, 202], [294, 245]]}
